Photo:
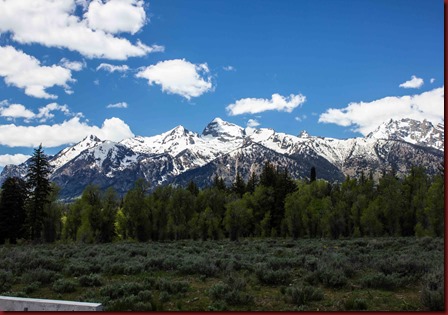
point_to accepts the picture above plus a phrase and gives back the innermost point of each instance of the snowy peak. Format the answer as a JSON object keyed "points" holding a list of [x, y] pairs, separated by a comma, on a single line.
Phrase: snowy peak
{"points": [[412, 131], [304, 134], [223, 130], [72, 152]]}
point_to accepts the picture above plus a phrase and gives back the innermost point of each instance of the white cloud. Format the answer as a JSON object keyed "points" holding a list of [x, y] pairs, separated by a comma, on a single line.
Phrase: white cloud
{"points": [[72, 65], [96, 82], [116, 16], [45, 112], [229, 68], [179, 76], [118, 105], [16, 111], [68, 132], [414, 83], [54, 24], [366, 116], [15, 159], [111, 68], [258, 105], [25, 72], [252, 123], [300, 118], [432, 80]]}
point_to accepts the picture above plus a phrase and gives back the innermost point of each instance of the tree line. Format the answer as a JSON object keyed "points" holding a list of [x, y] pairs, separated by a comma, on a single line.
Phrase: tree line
{"points": [[269, 205]]}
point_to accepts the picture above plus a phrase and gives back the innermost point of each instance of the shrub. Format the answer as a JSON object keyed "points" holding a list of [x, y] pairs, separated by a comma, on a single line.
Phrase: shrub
{"points": [[232, 292], [32, 287], [381, 281], [119, 290], [332, 278], [129, 303], [432, 294], [92, 280], [303, 294], [5, 280], [198, 265], [43, 276], [172, 287], [355, 304], [64, 286], [272, 277]]}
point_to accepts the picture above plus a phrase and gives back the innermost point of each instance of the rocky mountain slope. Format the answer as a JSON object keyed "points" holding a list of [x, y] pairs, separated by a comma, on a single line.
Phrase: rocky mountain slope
{"points": [[179, 155]]}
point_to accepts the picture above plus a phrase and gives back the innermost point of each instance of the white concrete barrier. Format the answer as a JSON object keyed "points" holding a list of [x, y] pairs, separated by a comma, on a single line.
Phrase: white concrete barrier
{"points": [[9, 303]]}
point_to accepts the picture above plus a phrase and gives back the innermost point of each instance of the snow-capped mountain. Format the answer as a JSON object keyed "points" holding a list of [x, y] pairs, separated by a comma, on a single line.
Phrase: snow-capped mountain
{"points": [[179, 155], [413, 131]]}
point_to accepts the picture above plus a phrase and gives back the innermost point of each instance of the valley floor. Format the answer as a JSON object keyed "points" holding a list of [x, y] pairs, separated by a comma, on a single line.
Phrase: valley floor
{"points": [[275, 274]]}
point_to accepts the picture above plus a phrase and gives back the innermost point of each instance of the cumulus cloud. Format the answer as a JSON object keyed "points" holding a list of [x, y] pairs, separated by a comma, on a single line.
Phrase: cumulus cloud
{"points": [[16, 111], [68, 132], [179, 76], [116, 16], [44, 113], [252, 123], [118, 105], [257, 105], [432, 80], [54, 24], [364, 117], [72, 65], [25, 72], [413, 83], [15, 159], [111, 68]]}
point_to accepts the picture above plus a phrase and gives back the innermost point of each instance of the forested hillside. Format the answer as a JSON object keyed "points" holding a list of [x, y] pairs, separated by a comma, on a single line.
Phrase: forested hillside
{"points": [[266, 206]]}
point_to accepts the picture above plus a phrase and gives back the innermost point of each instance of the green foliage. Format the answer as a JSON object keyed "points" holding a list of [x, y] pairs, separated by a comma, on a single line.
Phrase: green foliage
{"points": [[39, 186], [302, 295], [231, 292], [92, 280], [355, 304], [13, 197], [136, 212], [433, 292], [64, 286], [6, 278], [267, 275]]}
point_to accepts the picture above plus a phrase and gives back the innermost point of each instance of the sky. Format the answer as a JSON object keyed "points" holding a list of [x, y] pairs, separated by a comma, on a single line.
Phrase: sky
{"points": [[122, 68]]}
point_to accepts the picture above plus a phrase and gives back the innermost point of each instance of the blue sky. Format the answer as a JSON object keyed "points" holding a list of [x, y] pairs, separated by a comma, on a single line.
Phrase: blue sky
{"points": [[118, 68]]}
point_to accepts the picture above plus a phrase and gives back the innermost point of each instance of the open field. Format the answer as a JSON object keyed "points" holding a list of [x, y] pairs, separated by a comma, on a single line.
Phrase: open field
{"points": [[396, 274]]}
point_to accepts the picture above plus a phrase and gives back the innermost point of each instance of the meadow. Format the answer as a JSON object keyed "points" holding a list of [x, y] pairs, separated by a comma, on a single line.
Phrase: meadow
{"points": [[272, 274]]}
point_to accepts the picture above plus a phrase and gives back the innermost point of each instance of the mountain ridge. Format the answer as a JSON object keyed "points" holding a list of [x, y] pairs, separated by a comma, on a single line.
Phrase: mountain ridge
{"points": [[179, 155]]}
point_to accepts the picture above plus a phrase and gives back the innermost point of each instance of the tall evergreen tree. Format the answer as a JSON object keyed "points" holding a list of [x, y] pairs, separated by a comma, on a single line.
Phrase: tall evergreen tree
{"points": [[39, 186], [239, 187], [12, 209], [252, 183], [313, 174]]}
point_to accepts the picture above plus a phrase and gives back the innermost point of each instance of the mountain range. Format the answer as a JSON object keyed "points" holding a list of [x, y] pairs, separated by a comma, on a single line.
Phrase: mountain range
{"points": [[179, 155]]}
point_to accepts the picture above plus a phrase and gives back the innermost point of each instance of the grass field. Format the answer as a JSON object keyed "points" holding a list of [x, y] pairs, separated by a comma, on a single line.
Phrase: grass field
{"points": [[393, 274]]}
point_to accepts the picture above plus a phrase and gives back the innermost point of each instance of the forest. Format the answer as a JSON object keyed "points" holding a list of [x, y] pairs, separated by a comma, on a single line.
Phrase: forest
{"points": [[269, 205]]}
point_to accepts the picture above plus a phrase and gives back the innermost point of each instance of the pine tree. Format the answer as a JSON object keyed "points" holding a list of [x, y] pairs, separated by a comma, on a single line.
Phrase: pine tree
{"points": [[39, 186], [313, 174], [12, 209], [239, 187], [252, 183]]}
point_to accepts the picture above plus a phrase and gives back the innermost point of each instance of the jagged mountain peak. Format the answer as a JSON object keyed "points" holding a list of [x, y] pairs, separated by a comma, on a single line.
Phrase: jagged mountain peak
{"points": [[304, 134], [410, 130], [69, 153], [219, 128]]}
